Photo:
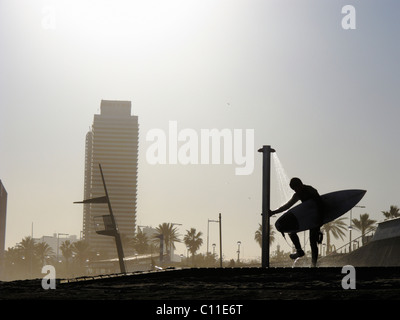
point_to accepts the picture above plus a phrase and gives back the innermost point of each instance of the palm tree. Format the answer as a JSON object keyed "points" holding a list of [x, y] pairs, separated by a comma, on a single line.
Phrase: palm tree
{"points": [[82, 252], [394, 212], [27, 247], [193, 241], [364, 225], [66, 249], [13, 262], [337, 228], [169, 233], [258, 235], [43, 251], [140, 243]]}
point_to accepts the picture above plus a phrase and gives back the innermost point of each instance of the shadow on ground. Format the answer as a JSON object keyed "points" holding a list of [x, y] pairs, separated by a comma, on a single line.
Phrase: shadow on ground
{"points": [[372, 283]]}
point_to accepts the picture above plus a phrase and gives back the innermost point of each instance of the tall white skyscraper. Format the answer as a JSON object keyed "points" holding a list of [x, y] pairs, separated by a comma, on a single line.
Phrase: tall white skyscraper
{"points": [[113, 143]]}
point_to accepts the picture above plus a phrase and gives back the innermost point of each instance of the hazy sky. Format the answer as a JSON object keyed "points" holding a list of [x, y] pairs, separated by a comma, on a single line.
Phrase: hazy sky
{"points": [[327, 99]]}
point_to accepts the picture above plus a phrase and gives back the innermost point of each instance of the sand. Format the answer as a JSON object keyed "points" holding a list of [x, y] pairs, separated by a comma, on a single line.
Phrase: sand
{"points": [[215, 283], [152, 290]]}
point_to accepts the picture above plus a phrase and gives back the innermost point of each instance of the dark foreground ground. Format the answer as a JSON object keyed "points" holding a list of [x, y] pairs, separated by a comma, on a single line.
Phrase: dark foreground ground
{"points": [[228, 293], [372, 283]]}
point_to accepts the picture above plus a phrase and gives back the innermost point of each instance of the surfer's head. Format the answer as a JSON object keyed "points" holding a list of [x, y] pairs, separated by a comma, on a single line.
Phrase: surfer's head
{"points": [[296, 184]]}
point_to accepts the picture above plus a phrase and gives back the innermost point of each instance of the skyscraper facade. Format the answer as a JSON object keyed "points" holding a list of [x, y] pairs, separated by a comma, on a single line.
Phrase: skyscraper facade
{"points": [[113, 143]]}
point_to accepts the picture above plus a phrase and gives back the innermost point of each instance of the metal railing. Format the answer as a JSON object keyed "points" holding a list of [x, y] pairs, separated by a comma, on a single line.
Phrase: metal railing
{"points": [[363, 236]]}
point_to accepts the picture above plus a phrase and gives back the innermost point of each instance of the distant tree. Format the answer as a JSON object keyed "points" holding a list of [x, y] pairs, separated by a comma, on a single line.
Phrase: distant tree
{"points": [[364, 225], [279, 255], [13, 256], [258, 235], [27, 250], [205, 260], [140, 242], [66, 249], [27, 246], [193, 241], [43, 251], [81, 252], [394, 212], [14, 264], [336, 228], [170, 235]]}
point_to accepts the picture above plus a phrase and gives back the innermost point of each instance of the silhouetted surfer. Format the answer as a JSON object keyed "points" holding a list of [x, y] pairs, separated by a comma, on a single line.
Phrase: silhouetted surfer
{"points": [[303, 193]]}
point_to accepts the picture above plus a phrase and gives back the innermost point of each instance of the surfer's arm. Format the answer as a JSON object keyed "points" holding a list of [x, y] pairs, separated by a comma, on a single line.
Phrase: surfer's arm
{"points": [[287, 206]]}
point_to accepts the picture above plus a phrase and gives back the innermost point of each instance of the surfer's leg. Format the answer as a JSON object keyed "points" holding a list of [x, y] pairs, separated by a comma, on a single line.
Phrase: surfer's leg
{"points": [[314, 234], [296, 241]]}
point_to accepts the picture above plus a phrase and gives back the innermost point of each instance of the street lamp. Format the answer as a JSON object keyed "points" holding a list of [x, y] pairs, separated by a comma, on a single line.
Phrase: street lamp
{"points": [[208, 228], [58, 241], [350, 226], [170, 242], [238, 251], [220, 237]]}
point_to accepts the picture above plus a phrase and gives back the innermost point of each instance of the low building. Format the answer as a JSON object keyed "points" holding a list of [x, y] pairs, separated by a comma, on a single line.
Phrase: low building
{"points": [[55, 242], [382, 251]]}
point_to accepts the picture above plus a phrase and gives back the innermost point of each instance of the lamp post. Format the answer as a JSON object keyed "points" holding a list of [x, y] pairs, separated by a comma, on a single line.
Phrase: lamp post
{"points": [[208, 227], [266, 193], [58, 242], [170, 242], [238, 251], [220, 237], [350, 226]]}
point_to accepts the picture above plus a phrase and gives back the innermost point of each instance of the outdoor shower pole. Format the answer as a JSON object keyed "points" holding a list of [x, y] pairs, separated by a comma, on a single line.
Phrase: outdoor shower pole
{"points": [[266, 193]]}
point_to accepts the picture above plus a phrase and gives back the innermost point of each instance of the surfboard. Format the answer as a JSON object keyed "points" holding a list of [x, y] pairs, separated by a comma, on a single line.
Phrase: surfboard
{"points": [[305, 216]]}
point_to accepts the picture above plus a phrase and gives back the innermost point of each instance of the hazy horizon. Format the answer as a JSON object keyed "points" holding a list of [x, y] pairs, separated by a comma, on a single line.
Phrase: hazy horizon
{"points": [[325, 98]]}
